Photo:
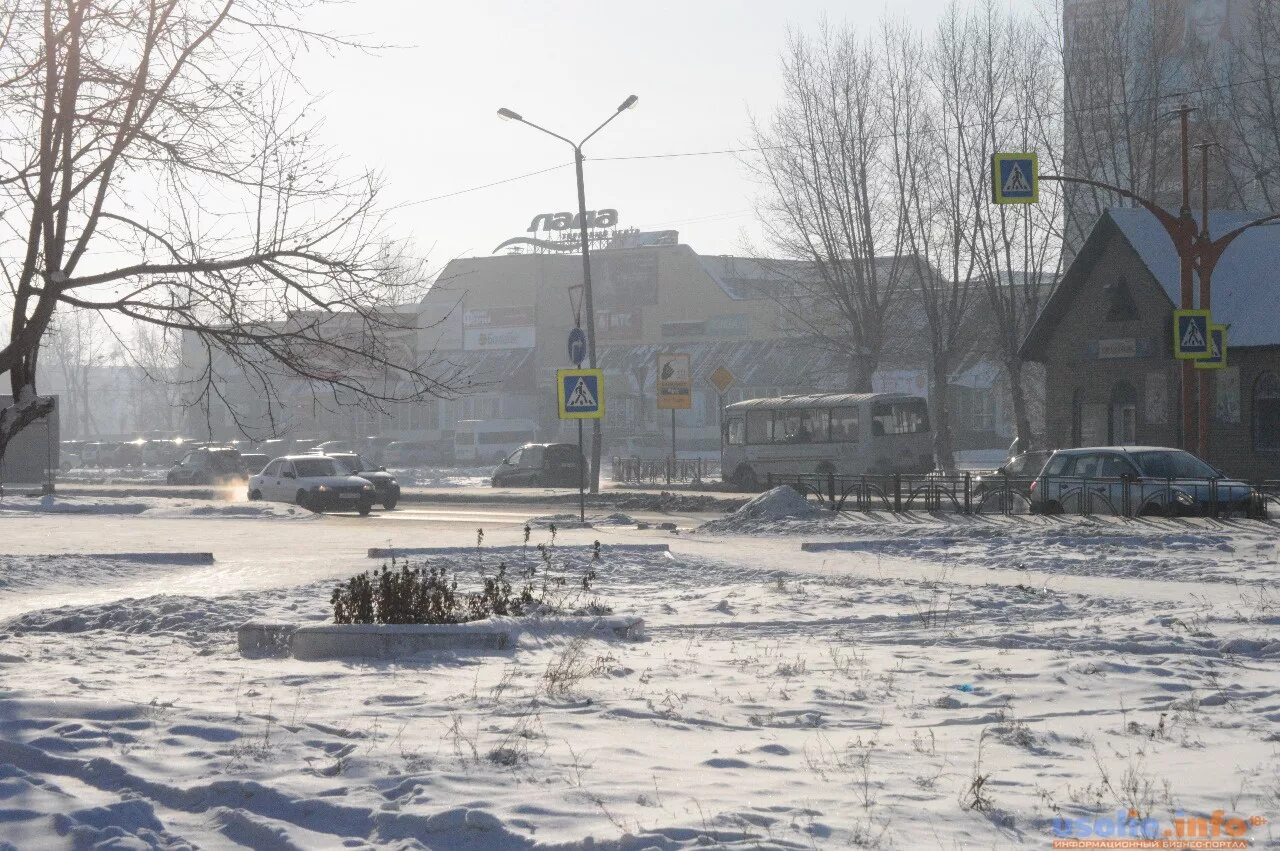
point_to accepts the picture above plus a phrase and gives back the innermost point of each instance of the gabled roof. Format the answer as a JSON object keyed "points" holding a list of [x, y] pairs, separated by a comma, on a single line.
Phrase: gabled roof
{"points": [[1246, 282]]}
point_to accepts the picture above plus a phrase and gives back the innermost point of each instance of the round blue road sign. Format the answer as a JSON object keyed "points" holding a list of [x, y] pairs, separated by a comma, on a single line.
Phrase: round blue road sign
{"points": [[577, 346]]}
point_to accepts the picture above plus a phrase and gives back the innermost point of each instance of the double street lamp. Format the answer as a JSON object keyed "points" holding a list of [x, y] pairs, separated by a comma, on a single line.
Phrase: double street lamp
{"points": [[589, 306]]}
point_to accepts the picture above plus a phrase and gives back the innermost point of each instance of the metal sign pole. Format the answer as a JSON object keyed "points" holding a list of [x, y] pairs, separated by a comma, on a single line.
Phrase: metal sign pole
{"points": [[582, 494]]}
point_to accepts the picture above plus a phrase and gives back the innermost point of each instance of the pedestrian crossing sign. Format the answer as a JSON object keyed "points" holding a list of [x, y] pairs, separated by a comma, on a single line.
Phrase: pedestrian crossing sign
{"points": [[1191, 334], [581, 394], [1217, 357], [1015, 178]]}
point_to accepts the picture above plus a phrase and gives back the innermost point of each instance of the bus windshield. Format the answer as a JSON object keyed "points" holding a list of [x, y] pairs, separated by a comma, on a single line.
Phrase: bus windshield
{"points": [[900, 416]]}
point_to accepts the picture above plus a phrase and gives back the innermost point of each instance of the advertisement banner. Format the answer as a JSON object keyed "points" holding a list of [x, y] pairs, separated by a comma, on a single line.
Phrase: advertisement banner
{"points": [[498, 328]]}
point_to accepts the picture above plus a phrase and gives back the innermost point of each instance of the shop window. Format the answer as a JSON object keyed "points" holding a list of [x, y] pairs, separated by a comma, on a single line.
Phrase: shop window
{"points": [[1265, 412]]}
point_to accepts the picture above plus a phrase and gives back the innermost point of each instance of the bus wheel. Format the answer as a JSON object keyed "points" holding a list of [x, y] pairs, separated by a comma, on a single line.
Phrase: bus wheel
{"points": [[745, 478]]}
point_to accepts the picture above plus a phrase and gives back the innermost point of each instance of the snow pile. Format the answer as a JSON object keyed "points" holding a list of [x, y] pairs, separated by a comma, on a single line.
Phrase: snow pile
{"points": [[443, 477], [774, 510], [571, 521], [158, 506]]}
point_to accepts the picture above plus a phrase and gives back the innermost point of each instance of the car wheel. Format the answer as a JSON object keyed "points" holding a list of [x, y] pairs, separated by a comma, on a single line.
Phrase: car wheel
{"points": [[201, 479], [390, 502], [255, 496], [304, 501], [745, 478], [365, 508], [170, 479]]}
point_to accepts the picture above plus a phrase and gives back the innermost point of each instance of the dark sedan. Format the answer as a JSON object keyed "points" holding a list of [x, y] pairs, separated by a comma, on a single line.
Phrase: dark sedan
{"points": [[541, 465], [357, 465]]}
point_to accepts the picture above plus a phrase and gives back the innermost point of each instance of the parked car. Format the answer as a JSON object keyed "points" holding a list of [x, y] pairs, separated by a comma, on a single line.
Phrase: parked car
{"points": [[328, 447], [207, 466], [314, 482], [97, 454], [383, 482], [1017, 472], [541, 465], [276, 446], [1136, 480], [253, 462]]}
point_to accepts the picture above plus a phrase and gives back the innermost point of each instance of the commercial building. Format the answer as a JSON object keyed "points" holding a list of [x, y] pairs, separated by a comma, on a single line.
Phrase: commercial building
{"points": [[1106, 339]]}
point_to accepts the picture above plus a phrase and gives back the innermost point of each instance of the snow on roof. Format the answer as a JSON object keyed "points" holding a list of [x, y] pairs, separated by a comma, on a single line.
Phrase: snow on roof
{"points": [[1246, 281], [813, 400]]}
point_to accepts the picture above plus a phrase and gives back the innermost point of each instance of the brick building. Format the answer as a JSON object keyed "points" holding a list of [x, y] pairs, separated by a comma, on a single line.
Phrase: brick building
{"points": [[1105, 337]]}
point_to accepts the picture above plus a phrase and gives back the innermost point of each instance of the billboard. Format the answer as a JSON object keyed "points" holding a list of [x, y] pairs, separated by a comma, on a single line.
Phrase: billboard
{"points": [[498, 328], [674, 382]]}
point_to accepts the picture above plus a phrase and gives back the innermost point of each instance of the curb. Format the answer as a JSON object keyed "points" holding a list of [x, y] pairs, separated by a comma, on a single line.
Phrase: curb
{"points": [[145, 558], [397, 552]]}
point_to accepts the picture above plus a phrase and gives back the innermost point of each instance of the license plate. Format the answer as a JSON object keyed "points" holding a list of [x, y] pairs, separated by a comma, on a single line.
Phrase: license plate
{"points": [[348, 496]]}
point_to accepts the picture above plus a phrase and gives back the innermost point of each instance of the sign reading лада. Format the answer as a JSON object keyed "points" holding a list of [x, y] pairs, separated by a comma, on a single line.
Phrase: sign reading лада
{"points": [[675, 382], [580, 393]]}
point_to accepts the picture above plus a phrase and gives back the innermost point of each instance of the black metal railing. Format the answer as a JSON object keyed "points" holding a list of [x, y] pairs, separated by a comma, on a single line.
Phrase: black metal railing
{"points": [[663, 471], [993, 493]]}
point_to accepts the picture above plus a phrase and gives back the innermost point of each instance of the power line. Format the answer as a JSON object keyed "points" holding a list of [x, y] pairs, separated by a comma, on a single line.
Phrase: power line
{"points": [[1065, 113], [512, 179]]}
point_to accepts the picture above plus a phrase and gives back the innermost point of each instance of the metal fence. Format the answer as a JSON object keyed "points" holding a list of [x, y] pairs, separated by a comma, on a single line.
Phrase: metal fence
{"points": [[665, 471], [967, 493]]}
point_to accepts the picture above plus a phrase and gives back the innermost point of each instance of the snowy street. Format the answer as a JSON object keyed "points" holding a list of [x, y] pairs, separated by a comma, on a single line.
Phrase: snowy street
{"points": [[911, 682]]}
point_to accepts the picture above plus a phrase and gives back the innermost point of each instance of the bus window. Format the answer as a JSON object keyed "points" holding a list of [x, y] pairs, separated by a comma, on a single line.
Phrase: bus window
{"points": [[815, 425], [844, 425], [905, 416], [759, 426], [786, 427], [736, 431]]}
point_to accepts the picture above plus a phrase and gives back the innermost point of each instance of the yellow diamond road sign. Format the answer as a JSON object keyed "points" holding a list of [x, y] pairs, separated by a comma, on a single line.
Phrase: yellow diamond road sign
{"points": [[722, 379]]}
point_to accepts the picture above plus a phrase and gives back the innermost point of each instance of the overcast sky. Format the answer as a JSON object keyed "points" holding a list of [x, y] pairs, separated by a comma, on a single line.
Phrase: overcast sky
{"points": [[425, 114]]}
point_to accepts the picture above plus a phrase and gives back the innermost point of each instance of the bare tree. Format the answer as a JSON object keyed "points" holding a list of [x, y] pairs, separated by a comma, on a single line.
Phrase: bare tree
{"points": [[925, 92], [829, 202], [1013, 104], [79, 347], [158, 165]]}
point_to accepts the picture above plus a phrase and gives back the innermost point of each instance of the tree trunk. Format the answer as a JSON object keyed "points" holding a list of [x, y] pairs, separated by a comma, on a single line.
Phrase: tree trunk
{"points": [[858, 378], [943, 444], [1021, 419]]}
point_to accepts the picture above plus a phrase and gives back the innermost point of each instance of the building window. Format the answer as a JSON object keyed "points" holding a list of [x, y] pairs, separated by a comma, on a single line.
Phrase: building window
{"points": [[1120, 304], [1266, 412]]}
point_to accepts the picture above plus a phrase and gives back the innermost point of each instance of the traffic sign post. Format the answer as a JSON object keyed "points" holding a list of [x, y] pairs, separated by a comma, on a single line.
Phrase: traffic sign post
{"points": [[1217, 357], [721, 379], [1191, 334], [675, 388], [1015, 178], [580, 394]]}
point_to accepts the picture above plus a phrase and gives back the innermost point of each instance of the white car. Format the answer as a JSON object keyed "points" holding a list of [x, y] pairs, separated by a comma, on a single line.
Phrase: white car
{"points": [[315, 482]]}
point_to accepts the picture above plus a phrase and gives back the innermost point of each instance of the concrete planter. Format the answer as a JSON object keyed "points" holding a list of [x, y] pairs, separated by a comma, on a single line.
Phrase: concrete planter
{"points": [[258, 639]]}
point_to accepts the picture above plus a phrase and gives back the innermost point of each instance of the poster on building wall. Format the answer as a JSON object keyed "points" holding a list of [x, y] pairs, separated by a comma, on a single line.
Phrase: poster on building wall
{"points": [[1156, 409], [626, 279], [498, 328], [1226, 395], [619, 324]]}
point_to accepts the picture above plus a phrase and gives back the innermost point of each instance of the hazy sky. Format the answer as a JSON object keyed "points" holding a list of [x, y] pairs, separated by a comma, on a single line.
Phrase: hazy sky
{"points": [[425, 114]]}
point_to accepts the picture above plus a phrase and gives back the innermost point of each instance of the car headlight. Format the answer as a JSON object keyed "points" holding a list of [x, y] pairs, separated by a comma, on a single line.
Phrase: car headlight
{"points": [[1184, 498], [322, 488], [366, 487], [393, 482]]}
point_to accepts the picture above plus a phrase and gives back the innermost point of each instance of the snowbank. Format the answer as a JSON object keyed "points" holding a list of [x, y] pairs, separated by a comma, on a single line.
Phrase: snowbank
{"points": [[772, 511], [161, 507]]}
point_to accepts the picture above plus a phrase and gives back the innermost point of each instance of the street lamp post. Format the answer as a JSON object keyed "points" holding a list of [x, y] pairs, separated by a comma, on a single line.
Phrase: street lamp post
{"points": [[589, 305]]}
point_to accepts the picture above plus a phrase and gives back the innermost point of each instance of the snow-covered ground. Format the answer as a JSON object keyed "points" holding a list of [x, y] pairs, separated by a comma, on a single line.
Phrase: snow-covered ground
{"points": [[151, 507], [111, 475], [443, 477], [937, 682]]}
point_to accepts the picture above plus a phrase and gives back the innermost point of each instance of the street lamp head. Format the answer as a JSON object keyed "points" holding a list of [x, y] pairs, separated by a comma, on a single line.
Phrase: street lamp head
{"points": [[628, 103], [507, 115]]}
